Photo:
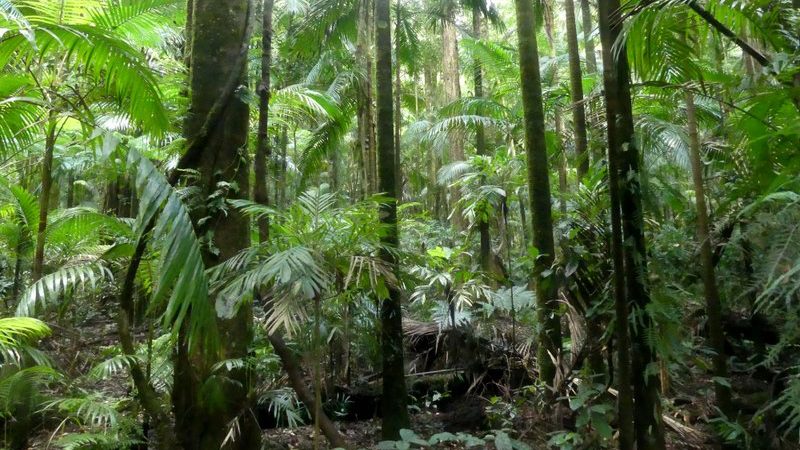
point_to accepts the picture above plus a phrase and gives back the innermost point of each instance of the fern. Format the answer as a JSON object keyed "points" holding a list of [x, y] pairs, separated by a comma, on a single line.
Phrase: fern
{"points": [[48, 289]]}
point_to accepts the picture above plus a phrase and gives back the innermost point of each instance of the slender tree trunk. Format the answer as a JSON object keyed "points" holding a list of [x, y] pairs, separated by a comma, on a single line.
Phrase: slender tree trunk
{"points": [[44, 197], [70, 201], [217, 131], [394, 400], [588, 42], [647, 419], [625, 407], [561, 164], [596, 151], [297, 381], [480, 148], [713, 305], [260, 195], [365, 135], [452, 92], [549, 338], [576, 90], [280, 180], [398, 115], [17, 283], [263, 150]]}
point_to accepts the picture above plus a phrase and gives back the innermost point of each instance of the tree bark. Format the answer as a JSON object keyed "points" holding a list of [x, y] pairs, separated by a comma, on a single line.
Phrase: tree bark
{"points": [[576, 89], [648, 423], [217, 130], [713, 305], [394, 400], [539, 186]]}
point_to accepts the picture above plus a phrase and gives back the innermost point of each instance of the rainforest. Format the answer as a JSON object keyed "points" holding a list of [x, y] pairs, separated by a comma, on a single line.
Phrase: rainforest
{"points": [[399, 224]]}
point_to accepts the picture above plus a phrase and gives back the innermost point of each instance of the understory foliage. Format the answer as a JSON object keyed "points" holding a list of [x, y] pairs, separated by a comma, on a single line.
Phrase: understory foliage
{"points": [[123, 231]]}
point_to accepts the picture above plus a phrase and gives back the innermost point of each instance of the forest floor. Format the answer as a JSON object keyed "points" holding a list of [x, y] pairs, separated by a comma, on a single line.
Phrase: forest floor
{"points": [[77, 350]]}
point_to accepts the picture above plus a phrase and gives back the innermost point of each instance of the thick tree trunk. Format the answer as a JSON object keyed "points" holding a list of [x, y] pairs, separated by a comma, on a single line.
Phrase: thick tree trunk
{"points": [[576, 90], [394, 400], [549, 338], [647, 419], [713, 305], [217, 131], [44, 197], [480, 148]]}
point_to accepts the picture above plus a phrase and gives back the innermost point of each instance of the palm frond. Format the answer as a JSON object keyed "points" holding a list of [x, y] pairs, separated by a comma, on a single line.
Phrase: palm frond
{"points": [[183, 275], [103, 56], [49, 289]]}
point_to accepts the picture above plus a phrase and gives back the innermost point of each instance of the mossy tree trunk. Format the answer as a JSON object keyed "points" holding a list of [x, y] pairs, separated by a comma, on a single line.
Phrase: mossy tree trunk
{"points": [[549, 338], [217, 129], [648, 423]]}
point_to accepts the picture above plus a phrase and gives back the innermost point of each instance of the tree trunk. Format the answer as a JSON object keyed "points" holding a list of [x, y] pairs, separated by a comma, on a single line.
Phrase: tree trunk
{"points": [[44, 196], [647, 418], [365, 135], [394, 400], [398, 115], [260, 195], [588, 42], [480, 148], [576, 85], [625, 407], [263, 151], [713, 306], [280, 179], [452, 93], [217, 131], [539, 186], [296, 380]]}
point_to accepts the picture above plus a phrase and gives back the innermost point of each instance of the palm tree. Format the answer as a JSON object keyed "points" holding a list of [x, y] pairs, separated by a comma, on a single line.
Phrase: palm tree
{"points": [[588, 42], [480, 145], [394, 401], [539, 188], [624, 166], [713, 306], [576, 89]]}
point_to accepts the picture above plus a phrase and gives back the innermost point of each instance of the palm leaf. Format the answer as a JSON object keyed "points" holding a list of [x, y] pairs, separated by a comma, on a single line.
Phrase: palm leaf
{"points": [[183, 276]]}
